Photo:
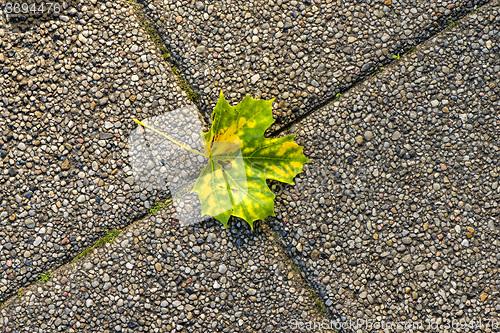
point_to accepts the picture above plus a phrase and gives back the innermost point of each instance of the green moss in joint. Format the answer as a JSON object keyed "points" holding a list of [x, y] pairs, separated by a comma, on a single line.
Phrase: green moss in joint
{"points": [[108, 238], [317, 302], [83, 253], [44, 277], [158, 205], [167, 57]]}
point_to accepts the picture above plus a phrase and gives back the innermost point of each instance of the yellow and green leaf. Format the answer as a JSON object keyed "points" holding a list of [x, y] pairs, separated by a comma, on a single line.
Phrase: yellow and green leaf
{"points": [[241, 159]]}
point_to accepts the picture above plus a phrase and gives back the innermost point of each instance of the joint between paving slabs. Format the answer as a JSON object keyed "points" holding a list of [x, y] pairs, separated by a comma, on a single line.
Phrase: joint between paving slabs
{"points": [[298, 276], [451, 25], [454, 24], [164, 51], [184, 86], [109, 237], [302, 279], [294, 272], [382, 67], [318, 304], [275, 238]]}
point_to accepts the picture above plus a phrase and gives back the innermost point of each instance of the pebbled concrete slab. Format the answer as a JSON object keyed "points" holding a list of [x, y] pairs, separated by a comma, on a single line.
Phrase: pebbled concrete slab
{"points": [[398, 216], [301, 52], [159, 277], [69, 89]]}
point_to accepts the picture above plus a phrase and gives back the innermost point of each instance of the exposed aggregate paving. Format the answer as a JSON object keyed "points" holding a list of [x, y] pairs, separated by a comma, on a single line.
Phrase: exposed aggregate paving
{"points": [[301, 52], [69, 89], [157, 277], [398, 216]]}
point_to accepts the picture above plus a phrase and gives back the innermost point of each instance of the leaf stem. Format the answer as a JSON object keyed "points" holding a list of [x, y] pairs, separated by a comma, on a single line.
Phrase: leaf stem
{"points": [[169, 138]]}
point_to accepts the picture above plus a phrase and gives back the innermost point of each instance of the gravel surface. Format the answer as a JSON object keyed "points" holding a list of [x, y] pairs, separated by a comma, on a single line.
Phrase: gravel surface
{"points": [[301, 52], [398, 216], [68, 92], [157, 277]]}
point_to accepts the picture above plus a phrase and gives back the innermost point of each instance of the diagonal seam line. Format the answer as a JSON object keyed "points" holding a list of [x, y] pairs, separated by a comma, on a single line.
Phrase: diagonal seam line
{"points": [[420, 40]]}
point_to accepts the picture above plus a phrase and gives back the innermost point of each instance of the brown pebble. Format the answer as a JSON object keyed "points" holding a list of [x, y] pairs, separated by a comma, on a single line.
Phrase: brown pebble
{"points": [[65, 165], [315, 255]]}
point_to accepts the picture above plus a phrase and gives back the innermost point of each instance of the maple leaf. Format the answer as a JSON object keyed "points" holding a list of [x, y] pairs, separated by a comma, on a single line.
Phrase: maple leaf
{"points": [[241, 159]]}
